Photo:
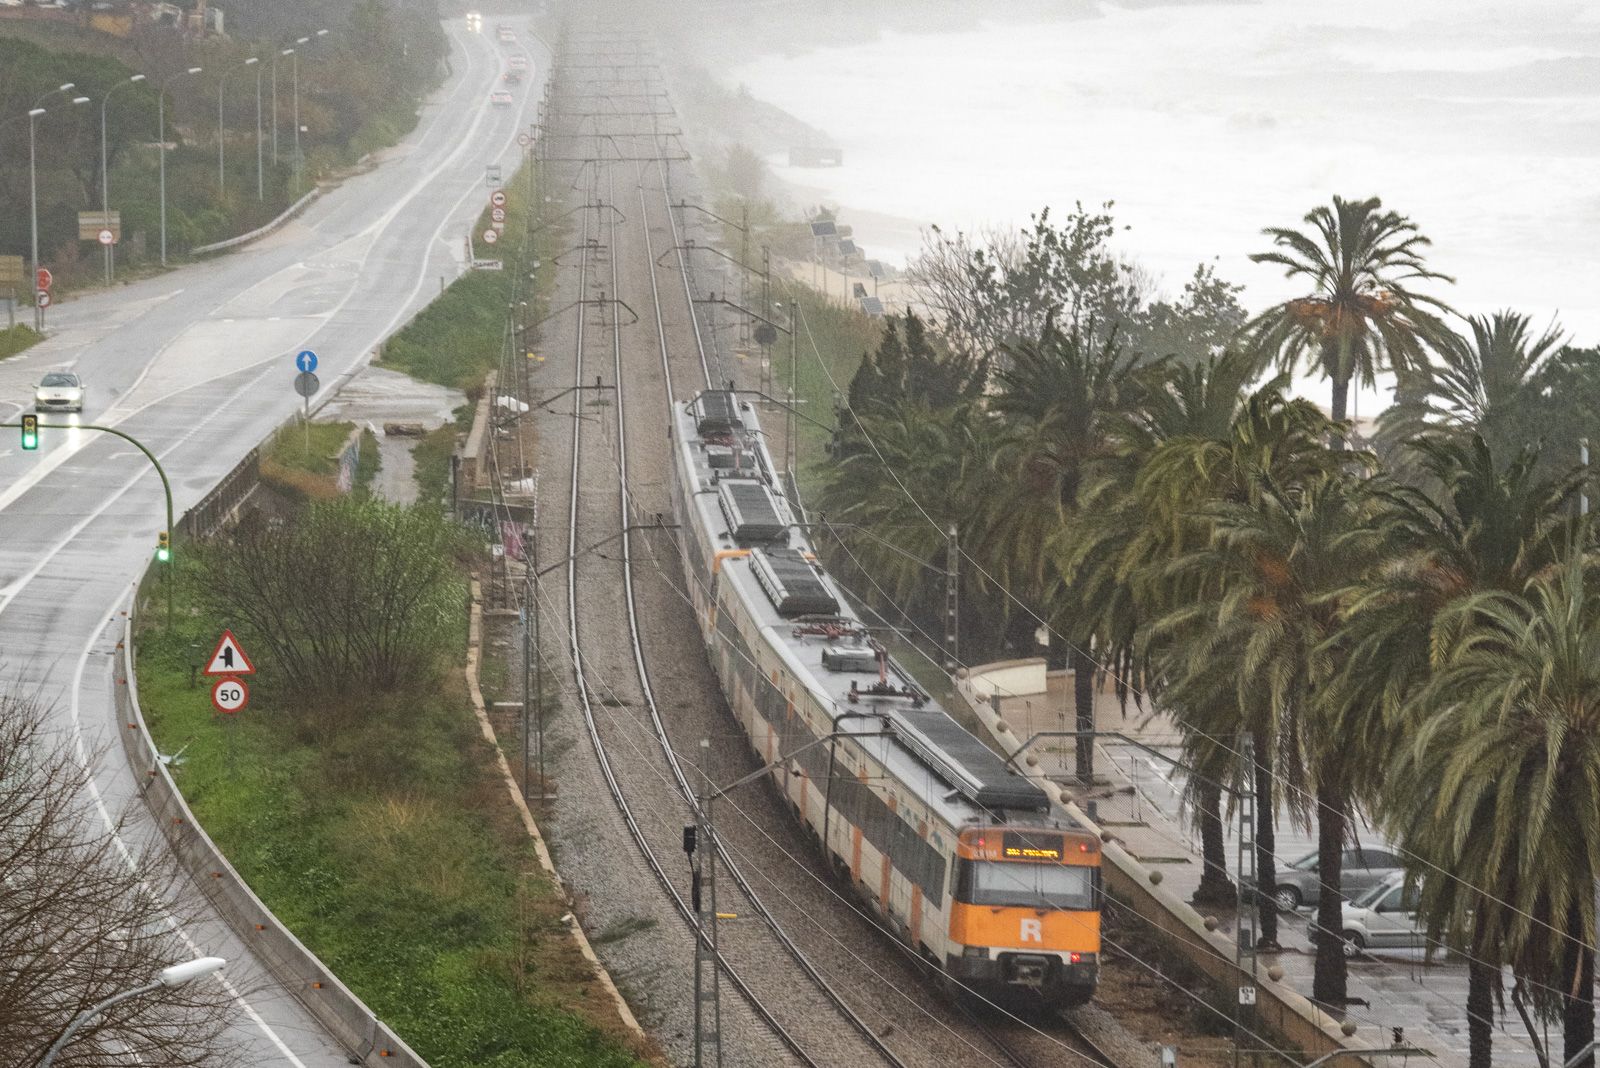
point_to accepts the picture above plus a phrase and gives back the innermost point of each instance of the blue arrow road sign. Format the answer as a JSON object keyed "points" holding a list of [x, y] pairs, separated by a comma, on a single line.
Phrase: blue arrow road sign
{"points": [[306, 361]]}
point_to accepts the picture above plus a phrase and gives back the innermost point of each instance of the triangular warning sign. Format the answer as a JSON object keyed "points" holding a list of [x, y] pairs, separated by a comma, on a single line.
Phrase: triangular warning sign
{"points": [[229, 658]]}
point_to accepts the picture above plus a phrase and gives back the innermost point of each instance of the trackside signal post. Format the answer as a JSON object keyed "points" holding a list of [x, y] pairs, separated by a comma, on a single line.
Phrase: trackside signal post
{"points": [[700, 843], [30, 427]]}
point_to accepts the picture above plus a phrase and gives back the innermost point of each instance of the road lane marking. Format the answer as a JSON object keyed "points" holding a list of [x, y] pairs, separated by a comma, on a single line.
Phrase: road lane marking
{"points": [[60, 455]]}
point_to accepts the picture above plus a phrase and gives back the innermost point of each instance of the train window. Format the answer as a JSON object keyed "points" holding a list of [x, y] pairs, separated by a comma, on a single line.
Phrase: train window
{"points": [[1062, 886]]}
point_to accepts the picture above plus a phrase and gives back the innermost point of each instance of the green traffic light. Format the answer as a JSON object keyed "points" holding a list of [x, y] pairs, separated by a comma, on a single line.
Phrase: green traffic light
{"points": [[30, 433], [163, 554]]}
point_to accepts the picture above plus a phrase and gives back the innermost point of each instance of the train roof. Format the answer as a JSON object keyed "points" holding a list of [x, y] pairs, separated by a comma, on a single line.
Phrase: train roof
{"points": [[806, 620]]}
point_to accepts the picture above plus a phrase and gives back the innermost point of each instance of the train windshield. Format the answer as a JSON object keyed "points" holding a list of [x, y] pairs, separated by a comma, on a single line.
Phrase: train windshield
{"points": [[1062, 886]]}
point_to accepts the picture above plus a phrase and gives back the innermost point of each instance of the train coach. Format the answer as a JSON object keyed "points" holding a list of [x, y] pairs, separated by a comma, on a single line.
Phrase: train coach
{"points": [[958, 856]]}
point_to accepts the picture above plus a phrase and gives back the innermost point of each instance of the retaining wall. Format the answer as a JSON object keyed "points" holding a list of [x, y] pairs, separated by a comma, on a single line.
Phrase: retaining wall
{"points": [[1278, 1006]]}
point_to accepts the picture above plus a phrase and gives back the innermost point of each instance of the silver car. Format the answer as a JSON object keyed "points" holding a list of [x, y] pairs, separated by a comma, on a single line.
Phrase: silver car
{"points": [[59, 391], [1361, 869], [1385, 917]]}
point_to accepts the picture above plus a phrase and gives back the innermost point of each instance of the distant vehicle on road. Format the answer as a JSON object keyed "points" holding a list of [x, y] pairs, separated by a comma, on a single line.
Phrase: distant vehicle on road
{"points": [[474, 20], [500, 98], [506, 33], [512, 77], [59, 391], [1299, 884], [518, 62], [1385, 917]]}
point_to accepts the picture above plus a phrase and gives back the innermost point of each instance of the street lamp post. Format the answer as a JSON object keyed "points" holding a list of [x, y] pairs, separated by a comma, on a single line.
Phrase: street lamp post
{"points": [[294, 62], [105, 188], [161, 143], [177, 975], [260, 188], [222, 132], [276, 56], [33, 186]]}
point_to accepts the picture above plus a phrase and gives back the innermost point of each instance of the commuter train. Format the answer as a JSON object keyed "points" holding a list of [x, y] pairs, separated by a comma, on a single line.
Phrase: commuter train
{"points": [[956, 855]]}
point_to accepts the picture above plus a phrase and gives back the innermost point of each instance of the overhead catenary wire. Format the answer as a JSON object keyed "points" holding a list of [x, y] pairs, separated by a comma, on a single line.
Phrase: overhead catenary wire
{"points": [[1130, 685]]}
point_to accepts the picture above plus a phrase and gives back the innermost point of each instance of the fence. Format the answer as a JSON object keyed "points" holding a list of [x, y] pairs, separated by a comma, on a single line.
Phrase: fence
{"points": [[217, 508]]}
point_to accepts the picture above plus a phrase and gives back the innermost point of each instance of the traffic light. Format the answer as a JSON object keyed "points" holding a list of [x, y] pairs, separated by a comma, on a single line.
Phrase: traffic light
{"points": [[30, 432], [163, 547]]}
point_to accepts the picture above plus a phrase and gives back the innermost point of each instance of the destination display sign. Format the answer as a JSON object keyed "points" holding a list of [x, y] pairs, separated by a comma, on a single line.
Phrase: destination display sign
{"points": [[1017, 846]]}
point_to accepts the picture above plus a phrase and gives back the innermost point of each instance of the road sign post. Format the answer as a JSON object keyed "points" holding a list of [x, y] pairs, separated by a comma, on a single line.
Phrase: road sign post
{"points": [[306, 384]]}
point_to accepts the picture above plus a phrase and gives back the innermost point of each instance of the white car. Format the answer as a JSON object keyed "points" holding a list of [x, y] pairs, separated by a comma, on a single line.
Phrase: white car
{"points": [[59, 391], [1385, 917], [500, 98]]}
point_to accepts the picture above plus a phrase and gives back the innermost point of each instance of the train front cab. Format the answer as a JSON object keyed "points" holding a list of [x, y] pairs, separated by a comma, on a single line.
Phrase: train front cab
{"points": [[1024, 913]]}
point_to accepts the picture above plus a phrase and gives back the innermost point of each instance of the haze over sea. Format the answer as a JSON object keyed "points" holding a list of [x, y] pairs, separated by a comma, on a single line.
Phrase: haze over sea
{"points": [[1206, 122]]}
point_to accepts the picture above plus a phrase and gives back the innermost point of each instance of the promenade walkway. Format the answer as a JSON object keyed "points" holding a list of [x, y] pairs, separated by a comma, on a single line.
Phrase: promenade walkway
{"points": [[1137, 798]]}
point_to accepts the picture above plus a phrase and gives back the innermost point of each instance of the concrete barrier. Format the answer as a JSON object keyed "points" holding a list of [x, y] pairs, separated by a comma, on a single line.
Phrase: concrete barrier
{"points": [[261, 231], [1278, 1006], [300, 972]]}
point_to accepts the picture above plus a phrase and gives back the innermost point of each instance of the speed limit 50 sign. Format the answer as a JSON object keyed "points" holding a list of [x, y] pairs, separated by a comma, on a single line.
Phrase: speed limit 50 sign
{"points": [[230, 695]]}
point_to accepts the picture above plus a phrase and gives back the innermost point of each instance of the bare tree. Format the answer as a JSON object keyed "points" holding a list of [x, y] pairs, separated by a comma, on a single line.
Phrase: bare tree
{"points": [[348, 596], [82, 918]]}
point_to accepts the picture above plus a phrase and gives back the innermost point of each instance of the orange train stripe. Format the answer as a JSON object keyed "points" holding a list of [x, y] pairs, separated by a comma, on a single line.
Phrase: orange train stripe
{"points": [[1019, 928]]}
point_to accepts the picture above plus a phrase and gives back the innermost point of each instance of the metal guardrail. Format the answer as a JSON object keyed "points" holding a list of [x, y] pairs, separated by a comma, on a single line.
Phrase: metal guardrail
{"points": [[331, 1003], [261, 231]]}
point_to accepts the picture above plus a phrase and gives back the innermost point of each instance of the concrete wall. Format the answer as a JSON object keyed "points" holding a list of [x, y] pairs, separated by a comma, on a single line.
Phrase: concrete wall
{"points": [[328, 1000], [1278, 1007]]}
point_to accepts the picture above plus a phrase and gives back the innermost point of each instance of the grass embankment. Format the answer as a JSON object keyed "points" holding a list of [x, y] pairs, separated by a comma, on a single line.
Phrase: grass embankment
{"points": [[17, 339], [304, 461], [833, 337], [460, 337], [378, 833]]}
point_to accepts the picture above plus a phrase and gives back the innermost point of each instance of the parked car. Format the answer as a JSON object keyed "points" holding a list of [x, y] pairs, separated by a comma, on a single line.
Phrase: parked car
{"points": [[1385, 917], [1362, 868], [59, 391]]}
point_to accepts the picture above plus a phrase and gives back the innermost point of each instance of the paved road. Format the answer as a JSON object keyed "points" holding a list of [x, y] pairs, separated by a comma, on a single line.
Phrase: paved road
{"points": [[197, 364]]}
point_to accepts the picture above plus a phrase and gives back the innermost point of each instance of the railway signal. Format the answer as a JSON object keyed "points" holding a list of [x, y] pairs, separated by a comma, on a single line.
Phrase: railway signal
{"points": [[30, 432]]}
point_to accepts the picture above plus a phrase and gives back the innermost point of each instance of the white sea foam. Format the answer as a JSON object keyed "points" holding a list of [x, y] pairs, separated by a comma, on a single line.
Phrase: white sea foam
{"points": [[1207, 122]]}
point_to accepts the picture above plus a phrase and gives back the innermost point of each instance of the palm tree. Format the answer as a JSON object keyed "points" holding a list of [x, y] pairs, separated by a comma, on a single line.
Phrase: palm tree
{"points": [[1111, 542], [1271, 441], [1493, 382], [1274, 617], [923, 464], [1361, 317], [1059, 398], [1500, 788]]}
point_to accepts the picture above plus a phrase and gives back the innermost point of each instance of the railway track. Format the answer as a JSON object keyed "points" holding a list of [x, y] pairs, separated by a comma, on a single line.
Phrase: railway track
{"points": [[869, 1048], [806, 1016]]}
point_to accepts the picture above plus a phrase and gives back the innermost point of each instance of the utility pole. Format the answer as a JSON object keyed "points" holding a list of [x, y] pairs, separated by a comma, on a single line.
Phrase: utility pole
{"points": [[1244, 917], [952, 594], [1583, 458], [702, 850]]}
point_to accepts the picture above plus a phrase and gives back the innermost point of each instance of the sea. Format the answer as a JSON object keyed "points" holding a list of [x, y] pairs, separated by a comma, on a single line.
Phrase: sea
{"points": [[1206, 122]]}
